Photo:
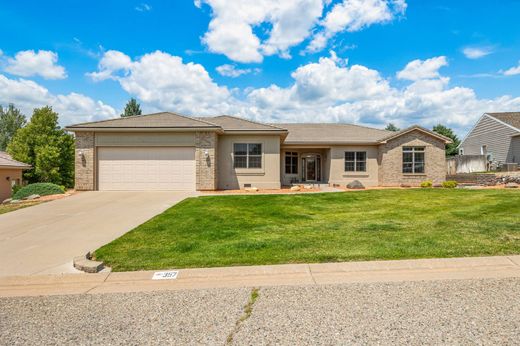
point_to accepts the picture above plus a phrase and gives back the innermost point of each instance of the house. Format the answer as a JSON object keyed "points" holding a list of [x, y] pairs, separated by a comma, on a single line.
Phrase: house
{"points": [[168, 151], [496, 135], [10, 174]]}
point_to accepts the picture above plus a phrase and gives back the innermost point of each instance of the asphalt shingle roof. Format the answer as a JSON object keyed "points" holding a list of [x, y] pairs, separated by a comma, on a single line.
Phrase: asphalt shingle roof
{"points": [[511, 118], [231, 123], [332, 133], [7, 161]]}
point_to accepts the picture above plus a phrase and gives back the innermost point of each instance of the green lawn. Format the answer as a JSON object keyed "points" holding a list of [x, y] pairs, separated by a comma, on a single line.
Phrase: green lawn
{"points": [[267, 229], [5, 208]]}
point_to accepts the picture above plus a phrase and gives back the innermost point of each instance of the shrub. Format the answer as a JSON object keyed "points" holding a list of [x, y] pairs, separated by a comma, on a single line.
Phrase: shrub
{"points": [[427, 183], [15, 189], [42, 189], [449, 184]]}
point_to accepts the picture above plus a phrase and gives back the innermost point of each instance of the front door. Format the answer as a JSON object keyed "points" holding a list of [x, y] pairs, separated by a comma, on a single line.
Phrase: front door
{"points": [[311, 168]]}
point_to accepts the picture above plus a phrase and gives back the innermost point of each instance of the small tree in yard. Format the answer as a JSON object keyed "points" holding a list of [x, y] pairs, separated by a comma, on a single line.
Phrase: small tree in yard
{"points": [[391, 127], [11, 120], [451, 149], [45, 146], [132, 108]]}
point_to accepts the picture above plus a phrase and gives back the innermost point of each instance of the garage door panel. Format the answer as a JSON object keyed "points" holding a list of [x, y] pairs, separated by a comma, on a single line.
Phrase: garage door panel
{"points": [[146, 168]]}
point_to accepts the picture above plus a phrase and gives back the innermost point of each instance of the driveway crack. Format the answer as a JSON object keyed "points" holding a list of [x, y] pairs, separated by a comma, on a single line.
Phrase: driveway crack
{"points": [[248, 310]]}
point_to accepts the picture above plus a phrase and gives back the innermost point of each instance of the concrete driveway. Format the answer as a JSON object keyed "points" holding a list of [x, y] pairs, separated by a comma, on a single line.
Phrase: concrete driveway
{"points": [[43, 239]]}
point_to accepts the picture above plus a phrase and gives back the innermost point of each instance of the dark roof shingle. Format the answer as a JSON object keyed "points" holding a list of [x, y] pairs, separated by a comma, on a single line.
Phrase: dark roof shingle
{"points": [[7, 161], [510, 118]]}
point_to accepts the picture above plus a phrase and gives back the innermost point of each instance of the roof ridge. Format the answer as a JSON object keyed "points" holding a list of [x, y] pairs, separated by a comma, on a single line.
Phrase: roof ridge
{"points": [[411, 128], [342, 124], [143, 115], [250, 121]]}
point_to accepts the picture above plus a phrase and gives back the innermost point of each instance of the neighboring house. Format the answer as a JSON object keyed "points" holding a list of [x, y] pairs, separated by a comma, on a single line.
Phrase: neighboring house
{"points": [[10, 174], [496, 135], [167, 151]]}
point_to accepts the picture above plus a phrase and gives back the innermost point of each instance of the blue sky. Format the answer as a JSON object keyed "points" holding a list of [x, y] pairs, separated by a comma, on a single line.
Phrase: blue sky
{"points": [[368, 62]]}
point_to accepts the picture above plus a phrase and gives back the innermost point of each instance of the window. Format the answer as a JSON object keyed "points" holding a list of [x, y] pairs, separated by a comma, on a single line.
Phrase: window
{"points": [[291, 162], [413, 159], [355, 161], [247, 155]]}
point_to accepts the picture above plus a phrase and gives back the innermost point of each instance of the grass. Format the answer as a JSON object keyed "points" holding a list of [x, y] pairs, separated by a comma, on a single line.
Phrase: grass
{"points": [[5, 208], [268, 229]]}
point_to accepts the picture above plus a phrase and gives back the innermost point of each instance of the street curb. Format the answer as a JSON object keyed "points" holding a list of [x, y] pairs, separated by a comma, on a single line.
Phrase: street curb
{"points": [[85, 264]]}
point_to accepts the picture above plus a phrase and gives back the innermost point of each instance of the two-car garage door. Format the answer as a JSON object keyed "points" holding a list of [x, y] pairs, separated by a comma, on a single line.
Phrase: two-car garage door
{"points": [[146, 168]]}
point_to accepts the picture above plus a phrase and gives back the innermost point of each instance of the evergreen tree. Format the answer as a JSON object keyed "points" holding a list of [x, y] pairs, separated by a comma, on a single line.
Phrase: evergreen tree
{"points": [[451, 149], [391, 127], [45, 146], [11, 120], [132, 108]]}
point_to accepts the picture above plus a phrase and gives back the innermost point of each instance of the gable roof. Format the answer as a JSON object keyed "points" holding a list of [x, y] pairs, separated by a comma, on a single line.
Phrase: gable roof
{"points": [[155, 120], [415, 128], [7, 161], [510, 118], [231, 123], [327, 133]]}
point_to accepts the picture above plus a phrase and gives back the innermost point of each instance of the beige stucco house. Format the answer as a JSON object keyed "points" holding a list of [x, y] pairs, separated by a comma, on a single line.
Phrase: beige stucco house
{"points": [[167, 151], [10, 174]]}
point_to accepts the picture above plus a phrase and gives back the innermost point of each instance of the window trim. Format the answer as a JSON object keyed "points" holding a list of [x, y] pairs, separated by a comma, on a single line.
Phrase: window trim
{"points": [[414, 150], [355, 161], [292, 155], [248, 155]]}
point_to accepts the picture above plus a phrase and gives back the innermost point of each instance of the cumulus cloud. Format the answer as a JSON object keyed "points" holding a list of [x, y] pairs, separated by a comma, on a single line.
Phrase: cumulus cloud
{"points": [[73, 107], [143, 7], [422, 69], [513, 71], [355, 15], [477, 52], [232, 71], [231, 29], [30, 63], [164, 81]]}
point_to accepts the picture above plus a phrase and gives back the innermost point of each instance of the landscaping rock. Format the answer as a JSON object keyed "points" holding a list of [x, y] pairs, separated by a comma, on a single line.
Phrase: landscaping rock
{"points": [[31, 197], [308, 187], [437, 185], [406, 185], [251, 189], [356, 184], [511, 186], [295, 188], [86, 265], [6, 201], [15, 201]]}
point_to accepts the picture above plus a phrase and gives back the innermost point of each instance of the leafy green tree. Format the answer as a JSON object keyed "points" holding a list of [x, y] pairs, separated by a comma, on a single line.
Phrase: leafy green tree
{"points": [[392, 127], [132, 108], [451, 149], [11, 120], [45, 146]]}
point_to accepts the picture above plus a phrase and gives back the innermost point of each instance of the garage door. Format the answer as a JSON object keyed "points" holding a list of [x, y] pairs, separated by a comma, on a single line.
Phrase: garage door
{"points": [[146, 168]]}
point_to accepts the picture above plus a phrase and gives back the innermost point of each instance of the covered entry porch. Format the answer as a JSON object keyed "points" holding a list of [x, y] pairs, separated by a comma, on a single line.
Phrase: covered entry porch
{"points": [[307, 165]]}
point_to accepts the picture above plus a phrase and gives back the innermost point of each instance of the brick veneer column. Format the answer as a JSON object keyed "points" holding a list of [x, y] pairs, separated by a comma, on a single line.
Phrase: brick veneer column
{"points": [[84, 164], [206, 165]]}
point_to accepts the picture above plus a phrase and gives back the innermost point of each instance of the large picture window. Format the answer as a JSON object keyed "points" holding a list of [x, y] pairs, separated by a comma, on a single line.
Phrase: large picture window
{"points": [[291, 162], [413, 159], [355, 161], [247, 155]]}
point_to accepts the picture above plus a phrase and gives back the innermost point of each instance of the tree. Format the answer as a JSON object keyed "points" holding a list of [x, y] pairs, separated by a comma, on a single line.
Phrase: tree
{"points": [[11, 120], [45, 146], [132, 108], [451, 149], [392, 127]]}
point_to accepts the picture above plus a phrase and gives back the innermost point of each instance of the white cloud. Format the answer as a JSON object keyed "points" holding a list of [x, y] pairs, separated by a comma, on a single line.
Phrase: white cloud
{"points": [[422, 69], [73, 107], [477, 52], [231, 29], [164, 81], [355, 15], [143, 8], [513, 71], [232, 71], [30, 63]]}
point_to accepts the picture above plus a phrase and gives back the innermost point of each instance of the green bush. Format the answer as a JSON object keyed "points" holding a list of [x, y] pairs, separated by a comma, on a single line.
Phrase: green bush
{"points": [[427, 183], [450, 184], [42, 189], [15, 189]]}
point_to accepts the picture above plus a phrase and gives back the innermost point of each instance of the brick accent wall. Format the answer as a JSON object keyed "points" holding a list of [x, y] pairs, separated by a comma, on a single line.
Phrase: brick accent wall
{"points": [[206, 166], [84, 164], [391, 160]]}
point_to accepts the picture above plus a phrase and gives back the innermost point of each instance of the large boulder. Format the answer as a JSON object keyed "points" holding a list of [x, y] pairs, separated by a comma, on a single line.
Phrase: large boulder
{"points": [[6, 201], [356, 184], [31, 197], [295, 188], [511, 186]]}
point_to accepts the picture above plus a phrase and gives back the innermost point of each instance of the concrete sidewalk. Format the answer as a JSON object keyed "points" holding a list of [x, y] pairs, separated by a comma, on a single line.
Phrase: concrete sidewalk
{"points": [[271, 275]]}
